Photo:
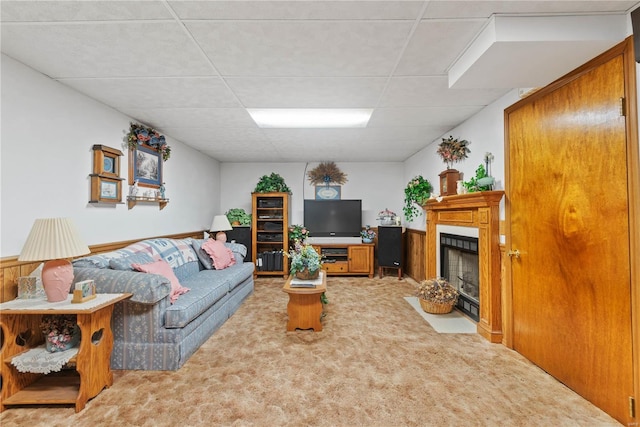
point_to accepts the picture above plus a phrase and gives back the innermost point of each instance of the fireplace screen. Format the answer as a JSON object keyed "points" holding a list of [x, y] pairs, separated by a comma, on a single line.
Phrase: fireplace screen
{"points": [[460, 267]]}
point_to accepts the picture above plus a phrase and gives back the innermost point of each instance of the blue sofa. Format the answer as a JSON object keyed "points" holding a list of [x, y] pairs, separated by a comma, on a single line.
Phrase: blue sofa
{"points": [[149, 332]]}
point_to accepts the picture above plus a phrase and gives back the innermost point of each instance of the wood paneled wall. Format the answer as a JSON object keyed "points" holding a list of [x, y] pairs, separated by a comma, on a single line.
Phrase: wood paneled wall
{"points": [[415, 241], [11, 268]]}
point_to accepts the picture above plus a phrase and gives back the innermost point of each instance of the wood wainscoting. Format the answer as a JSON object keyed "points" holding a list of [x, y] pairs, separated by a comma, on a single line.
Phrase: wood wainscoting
{"points": [[11, 268], [415, 254]]}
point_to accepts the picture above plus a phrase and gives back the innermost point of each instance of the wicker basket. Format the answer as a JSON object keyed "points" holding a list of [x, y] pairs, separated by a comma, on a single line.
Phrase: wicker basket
{"points": [[436, 307], [306, 275]]}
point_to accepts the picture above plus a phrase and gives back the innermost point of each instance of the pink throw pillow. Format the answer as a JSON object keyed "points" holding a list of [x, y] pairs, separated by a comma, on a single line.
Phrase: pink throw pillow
{"points": [[162, 268], [221, 255]]}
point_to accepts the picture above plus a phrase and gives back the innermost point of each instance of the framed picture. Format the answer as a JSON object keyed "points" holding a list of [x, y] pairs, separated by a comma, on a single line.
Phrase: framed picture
{"points": [[145, 166], [328, 192], [106, 161], [105, 189]]}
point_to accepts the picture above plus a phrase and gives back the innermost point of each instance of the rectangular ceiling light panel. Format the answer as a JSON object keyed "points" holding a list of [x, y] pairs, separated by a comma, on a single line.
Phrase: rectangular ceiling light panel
{"points": [[310, 117]]}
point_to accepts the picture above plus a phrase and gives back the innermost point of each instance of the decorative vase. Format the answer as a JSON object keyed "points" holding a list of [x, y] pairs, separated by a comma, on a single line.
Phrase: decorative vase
{"points": [[460, 186], [365, 240], [306, 275]]}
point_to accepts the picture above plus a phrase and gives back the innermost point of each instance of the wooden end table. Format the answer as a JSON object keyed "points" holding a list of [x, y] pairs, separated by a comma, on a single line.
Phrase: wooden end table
{"points": [[305, 307], [20, 323]]}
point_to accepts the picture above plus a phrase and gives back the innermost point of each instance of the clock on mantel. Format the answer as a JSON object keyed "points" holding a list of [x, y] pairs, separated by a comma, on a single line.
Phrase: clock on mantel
{"points": [[448, 183]]}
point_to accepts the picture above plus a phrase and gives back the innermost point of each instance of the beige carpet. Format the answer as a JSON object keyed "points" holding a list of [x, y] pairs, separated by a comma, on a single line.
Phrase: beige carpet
{"points": [[376, 363]]}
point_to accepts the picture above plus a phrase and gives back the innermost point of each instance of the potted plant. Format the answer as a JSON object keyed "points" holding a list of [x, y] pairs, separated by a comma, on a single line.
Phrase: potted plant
{"points": [[305, 261], [298, 234], [480, 182], [238, 216], [273, 183], [367, 235], [436, 296], [416, 194]]}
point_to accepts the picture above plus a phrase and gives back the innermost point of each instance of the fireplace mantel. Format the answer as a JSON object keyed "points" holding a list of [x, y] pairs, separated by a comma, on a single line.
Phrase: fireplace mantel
{"points": [[479, 210]]}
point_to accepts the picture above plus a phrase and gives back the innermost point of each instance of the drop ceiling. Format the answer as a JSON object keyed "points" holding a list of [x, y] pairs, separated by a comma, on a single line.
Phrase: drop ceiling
{"points": [[191, 69]]}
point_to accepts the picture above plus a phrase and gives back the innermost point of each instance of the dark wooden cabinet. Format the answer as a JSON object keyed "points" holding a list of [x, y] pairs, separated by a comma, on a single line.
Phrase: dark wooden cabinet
{"points": [[270, 233]]}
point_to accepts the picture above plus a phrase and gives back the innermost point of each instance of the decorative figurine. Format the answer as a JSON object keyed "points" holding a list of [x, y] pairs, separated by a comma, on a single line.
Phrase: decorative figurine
{"points": [[162, 191], [133, 190]]}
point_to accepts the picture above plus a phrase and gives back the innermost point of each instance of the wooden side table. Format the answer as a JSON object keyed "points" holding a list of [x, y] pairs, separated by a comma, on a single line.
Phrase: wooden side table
{"points": [[305, 307], [20, 323]]}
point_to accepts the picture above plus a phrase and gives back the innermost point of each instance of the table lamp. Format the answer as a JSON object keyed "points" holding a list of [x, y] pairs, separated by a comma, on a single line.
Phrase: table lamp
{"points": [[53, 240], [219, 225]]}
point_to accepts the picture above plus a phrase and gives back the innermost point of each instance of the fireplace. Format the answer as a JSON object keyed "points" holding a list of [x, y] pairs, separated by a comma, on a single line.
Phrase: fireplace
{"points": [[459, 266], [479, 211]]}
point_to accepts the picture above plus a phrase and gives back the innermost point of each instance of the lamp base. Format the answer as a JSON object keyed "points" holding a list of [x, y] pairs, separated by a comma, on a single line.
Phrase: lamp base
{"points": [[57, 276], [221, 236]]}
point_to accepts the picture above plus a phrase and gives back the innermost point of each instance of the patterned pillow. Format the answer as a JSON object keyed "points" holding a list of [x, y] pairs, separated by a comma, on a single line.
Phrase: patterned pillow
{"points": [[124, 263], [203, 256]]}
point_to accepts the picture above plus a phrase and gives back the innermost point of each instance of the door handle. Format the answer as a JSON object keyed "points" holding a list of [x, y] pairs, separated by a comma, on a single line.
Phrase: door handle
{"points": [[515, 253]]}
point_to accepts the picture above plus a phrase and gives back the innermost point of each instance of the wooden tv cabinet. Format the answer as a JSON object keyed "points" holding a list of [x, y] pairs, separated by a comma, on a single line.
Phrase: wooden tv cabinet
{"points": [[354, 259]]}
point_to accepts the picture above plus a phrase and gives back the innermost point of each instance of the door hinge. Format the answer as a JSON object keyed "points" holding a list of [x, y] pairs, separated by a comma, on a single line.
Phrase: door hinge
{"points": [[623, 107], [632, 407]]}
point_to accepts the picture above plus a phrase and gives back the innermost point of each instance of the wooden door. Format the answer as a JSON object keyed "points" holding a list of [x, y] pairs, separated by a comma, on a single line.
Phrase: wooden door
{"points": [[568, 216]]}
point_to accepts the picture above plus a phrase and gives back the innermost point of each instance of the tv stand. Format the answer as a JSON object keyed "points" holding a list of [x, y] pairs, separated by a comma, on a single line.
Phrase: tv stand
{"points": [[352, 259]]}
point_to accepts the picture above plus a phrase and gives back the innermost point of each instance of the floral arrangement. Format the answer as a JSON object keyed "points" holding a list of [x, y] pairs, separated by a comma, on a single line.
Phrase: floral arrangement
{"points": [[304, 256], [368, 233], [298, 233], [437, 290], [416, 194], [386, 214], [326, 173], [453, 150], [60, 331], [139, 135]]}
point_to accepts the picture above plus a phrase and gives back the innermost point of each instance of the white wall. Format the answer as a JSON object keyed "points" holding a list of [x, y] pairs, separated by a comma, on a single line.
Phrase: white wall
{"points": [[47, 134], [485, 132], [379, 185]]}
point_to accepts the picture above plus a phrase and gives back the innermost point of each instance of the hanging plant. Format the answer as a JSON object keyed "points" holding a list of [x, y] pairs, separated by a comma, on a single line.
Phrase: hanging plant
{"points": [[273, 183], [416, 194], [139, 135], [326, 173], [453, 150]]}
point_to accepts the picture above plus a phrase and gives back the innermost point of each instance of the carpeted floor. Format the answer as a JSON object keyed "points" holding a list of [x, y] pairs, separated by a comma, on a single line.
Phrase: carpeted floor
{"points": [[376, 363]]}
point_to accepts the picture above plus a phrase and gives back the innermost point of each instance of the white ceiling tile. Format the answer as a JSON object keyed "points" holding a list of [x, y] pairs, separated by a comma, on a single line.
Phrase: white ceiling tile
{"points": [[105, 49], [421, 116], [434, 91], [193, 117], [161, 92], [297, 9], [243, 137], [58, 11], [302, 48], [307, 92], [435, 45], [484, 9]]}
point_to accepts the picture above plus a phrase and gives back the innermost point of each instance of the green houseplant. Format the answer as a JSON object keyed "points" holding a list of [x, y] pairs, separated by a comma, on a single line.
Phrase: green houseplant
{"points": [[481, 182], [416, 194], [273, 183], [305, 261], [238, 216]]}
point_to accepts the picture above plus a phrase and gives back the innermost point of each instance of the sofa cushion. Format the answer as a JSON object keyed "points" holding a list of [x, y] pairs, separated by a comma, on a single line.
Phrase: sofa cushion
{"points": [[221, 255], [204, 293], [164, 269], [125, 263]]}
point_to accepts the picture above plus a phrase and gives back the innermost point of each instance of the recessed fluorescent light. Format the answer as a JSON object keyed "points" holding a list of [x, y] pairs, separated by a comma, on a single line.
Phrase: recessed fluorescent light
{"points": [[310, 117]]}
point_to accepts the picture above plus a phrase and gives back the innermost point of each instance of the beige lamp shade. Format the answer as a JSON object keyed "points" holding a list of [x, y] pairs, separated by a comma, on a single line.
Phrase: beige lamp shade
{"points": [[53, 240], [220, 223]]}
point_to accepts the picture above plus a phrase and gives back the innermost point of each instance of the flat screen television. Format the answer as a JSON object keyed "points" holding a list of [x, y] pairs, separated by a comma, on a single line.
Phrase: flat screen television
{"points": [[333, 218]]}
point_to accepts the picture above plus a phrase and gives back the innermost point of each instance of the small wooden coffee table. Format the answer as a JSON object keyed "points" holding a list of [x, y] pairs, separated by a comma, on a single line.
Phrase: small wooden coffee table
{"points": [[305, 307]]}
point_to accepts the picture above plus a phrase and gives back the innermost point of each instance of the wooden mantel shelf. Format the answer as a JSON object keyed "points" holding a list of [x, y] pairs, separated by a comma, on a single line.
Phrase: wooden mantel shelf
{"points": [[479, 210]]}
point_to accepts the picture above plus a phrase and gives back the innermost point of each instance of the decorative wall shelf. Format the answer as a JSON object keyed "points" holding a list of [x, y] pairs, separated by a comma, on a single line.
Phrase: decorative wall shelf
{"points": [[134, 200]]}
